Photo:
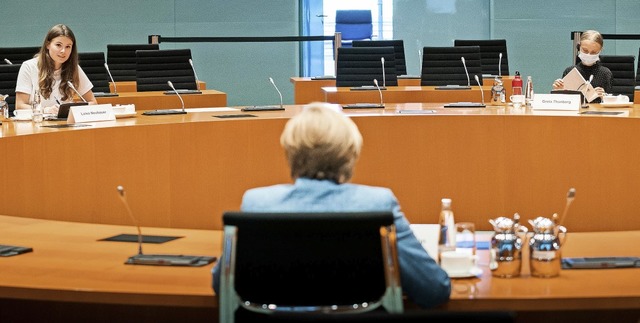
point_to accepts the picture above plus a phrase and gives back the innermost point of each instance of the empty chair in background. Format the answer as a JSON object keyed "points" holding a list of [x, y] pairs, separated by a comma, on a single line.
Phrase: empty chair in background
{"points": [[155, 67], [93, 65], [623, 69], [443, 65], [354, 25], [490, 50], [122, 59], [17, 55], [359, 66], [398, 46], [8, 79]]}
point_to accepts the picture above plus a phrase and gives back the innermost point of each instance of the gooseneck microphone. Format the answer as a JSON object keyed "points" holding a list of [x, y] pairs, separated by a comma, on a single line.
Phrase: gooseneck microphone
{"points": [[480, 86], [8, 61], [123, 198], [158, 260], [194, 72], [115, 89], [279, 93], [178, 94], [466, 71], [500, 64], [384, 77], [74, 90], [375, 81], [586, 90]]}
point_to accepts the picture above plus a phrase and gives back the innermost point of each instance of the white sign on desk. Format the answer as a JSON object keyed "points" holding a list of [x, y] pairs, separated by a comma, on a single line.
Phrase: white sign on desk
{"points": [[564, 102], [91, 113]]}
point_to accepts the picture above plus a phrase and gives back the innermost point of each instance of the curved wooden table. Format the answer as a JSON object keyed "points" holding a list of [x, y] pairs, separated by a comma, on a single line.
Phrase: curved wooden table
{"points": [[183, 171]]}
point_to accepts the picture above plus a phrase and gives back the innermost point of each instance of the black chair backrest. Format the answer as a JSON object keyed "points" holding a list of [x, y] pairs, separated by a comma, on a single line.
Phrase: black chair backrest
{"points": [[312, 259], [8, 79], [398, 46], [155, 67], [623, 70], [17, 55], [93, 65], [358, 66], [122, 59], [443, 65], [490, 50]]}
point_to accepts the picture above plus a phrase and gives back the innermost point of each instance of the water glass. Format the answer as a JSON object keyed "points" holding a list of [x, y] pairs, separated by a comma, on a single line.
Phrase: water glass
{"points": [[37, 113], [466, 237]]}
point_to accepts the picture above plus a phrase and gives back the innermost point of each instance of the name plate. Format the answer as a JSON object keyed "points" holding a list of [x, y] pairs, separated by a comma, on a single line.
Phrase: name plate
{"points": [[91, 113], [564, 102]]}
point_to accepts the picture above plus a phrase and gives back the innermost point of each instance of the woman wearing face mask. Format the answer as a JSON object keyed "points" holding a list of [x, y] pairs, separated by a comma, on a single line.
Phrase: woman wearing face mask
{"points": [[49, 71], [590, 46]]}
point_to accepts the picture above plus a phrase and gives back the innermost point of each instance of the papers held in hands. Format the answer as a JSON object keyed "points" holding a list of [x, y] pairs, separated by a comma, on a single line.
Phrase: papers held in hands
{"points": [[574, 81]]}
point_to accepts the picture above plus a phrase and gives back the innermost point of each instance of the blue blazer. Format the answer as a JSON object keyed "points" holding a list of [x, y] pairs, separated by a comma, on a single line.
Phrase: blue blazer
{"points": [[423, 281]]}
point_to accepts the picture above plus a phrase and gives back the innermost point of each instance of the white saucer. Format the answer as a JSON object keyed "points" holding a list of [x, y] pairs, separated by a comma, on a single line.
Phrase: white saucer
{"points": [[616, 104], [473, 272]]}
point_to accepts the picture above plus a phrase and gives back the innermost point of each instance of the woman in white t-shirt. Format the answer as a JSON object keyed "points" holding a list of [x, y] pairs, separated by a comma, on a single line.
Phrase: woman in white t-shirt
{"points": [[46, 75]]}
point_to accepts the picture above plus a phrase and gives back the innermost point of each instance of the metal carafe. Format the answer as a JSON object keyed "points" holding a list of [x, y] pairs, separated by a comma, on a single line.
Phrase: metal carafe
{"points": [[506, 246], [497, 91], [544, 246]]}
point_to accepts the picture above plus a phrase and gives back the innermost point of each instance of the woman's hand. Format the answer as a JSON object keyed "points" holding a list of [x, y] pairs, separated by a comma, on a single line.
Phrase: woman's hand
{"points": [[558, 84], [600, 91], [53, 110]]}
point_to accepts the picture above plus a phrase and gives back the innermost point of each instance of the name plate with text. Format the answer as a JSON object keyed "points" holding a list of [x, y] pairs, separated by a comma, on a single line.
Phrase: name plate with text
{"points": [[91, 113], [564, 102]]}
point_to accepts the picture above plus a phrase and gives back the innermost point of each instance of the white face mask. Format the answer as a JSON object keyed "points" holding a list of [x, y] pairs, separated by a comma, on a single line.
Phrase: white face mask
{"points": [[588, 59]]}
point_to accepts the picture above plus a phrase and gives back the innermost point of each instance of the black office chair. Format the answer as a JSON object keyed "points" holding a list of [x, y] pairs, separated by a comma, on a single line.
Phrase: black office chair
{"points": [[93, 65], [17, 55], [443, 65], [623, 69], [308, 263], [358, 66], [122, 59], [8, 79], [155, 67], [354, 25], [490, 50], [398, 46]]}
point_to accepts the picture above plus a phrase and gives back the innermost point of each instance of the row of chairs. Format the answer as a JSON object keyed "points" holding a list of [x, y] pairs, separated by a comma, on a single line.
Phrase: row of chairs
{"points": [[359, 65], [440, 65]]}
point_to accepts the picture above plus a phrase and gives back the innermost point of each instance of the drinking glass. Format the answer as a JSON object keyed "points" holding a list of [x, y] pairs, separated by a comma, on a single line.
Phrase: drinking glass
{"points": [[466, 237]]}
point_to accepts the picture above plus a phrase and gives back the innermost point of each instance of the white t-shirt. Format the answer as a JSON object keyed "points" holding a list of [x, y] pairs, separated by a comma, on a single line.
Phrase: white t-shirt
{"points": [[28, 81]]}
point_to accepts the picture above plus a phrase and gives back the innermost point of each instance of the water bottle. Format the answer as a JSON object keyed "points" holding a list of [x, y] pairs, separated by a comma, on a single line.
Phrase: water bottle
{"points": [[447, 239], [528, 95], [497, 91], [516, 85]]}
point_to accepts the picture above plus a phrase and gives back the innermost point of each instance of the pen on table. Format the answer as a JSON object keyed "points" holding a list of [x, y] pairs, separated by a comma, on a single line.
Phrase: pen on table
{"points": [[57, 101]]}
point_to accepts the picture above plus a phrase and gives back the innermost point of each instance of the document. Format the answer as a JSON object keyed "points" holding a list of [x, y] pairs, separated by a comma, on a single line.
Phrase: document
{"points": [[574, 81]]}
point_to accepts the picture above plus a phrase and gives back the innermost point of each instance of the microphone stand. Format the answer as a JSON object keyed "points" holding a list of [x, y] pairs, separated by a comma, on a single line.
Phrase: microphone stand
{"points": [[167, 111], [74, 90], [266, 107]]}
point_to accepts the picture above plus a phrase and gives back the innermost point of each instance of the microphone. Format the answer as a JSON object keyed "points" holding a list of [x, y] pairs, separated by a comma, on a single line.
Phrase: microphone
{"points": [[586, 90], [194, 72], [466, 72], [115, 89], [123, 198], [74, 90], [375, 81], [178, 94], [384, 77], [480, 86], [8, 61], [158, 260], [500, 64], [266, 107]]}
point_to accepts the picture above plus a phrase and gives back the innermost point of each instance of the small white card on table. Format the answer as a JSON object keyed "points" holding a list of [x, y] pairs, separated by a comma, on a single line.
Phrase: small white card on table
{"points": [[564, 102], [91, 113]]}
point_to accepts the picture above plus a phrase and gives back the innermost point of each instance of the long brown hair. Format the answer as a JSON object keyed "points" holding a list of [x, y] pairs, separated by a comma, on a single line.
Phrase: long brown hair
{"points": [[46, 66]]}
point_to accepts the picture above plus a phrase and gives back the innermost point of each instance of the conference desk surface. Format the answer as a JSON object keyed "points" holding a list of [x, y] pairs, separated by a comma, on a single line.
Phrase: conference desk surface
{"points": [[307, 89], [152, 100], [184, 171], [70, 264]]}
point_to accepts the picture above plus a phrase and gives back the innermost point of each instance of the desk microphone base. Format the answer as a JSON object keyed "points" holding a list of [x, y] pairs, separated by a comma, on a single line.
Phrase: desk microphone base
{"points": [[453, 87], [163, 112], [363, 106], [464, 105], [170, 260]]}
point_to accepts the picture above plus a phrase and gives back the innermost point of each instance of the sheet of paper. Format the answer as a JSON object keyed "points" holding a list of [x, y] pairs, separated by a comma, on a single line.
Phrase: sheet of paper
{"points": [[428, 235], [574, 81]]}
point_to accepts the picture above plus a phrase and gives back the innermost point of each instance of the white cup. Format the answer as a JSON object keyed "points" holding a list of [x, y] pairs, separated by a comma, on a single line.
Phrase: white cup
{"points": [[457, 262], [518, 100], [22, 113], [615, 99]]}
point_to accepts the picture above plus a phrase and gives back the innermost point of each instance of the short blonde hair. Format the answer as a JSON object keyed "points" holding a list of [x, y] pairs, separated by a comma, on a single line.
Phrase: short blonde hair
{"points": [[594, 36], [321, 143]]}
